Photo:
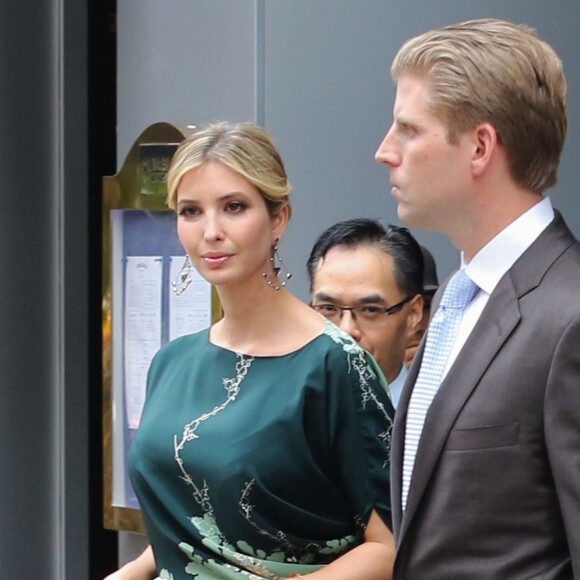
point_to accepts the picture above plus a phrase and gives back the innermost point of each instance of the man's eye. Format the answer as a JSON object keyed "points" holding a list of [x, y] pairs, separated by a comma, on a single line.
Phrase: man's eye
{"points": [[408, 130], [326, 308], [371, 310]]}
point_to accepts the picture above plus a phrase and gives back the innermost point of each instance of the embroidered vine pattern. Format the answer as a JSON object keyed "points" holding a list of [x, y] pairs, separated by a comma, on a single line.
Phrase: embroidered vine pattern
{"points": [[280, 537], [360, 522], [232, 387], [359, 364], [357, 360], [201, 493]]}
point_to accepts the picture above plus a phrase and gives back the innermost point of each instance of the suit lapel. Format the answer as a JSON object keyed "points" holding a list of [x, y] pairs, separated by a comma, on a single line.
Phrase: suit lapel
{"points": [[501, 315], [498, 320]]}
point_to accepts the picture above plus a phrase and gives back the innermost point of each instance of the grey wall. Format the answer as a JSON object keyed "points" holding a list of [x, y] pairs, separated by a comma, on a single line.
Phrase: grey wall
{"points": [[43, 306], [184, 61], [317, 75], [329, 99]]}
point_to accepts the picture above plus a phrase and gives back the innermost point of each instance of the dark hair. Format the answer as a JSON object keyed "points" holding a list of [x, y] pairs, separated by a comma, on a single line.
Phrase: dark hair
{"points": [[395, 241]]}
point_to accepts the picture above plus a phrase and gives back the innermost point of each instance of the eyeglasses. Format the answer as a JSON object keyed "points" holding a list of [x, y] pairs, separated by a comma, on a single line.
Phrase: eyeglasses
{"points": [[371, 313]]}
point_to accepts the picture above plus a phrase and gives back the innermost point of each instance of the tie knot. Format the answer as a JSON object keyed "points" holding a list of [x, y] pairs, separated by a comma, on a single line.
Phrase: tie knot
{"points": [[459, 291]]}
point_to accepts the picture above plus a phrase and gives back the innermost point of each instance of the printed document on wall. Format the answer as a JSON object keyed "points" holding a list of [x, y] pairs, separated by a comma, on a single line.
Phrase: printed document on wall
{"points": [[143, 286]]}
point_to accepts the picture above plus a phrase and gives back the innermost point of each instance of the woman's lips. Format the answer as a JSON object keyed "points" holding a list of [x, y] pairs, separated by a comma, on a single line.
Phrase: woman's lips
{"points": [[215, 258]]}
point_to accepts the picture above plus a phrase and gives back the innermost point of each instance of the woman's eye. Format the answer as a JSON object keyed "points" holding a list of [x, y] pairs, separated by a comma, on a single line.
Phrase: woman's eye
{"points": [[235, 206], [188, 211]]}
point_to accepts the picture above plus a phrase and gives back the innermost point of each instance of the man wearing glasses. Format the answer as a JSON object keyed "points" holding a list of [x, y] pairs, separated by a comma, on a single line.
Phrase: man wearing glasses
{"points": [[368, 280]]}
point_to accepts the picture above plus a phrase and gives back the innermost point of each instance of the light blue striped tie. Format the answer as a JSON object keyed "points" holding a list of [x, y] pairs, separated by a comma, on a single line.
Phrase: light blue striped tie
{"points": [[441, 335]]}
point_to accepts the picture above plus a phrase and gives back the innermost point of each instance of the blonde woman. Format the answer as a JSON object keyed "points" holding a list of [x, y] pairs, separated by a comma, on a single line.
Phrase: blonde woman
{"points": [[263, 450]]}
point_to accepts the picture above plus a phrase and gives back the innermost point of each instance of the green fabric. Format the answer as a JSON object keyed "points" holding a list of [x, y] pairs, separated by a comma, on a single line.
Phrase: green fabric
{"points": [[260, 466]]}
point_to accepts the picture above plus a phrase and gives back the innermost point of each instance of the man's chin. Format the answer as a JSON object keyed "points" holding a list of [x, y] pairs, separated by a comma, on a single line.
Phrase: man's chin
{"points": [[414, 219], [405, 214]]}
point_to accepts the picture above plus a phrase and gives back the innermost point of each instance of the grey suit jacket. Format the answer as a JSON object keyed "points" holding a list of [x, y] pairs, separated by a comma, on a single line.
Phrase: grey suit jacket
{"points": [[496, 489]]}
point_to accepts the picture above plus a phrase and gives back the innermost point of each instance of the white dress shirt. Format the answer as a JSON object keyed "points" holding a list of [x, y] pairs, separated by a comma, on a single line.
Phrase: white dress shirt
{"points": [[397, 385], [490, 264]]}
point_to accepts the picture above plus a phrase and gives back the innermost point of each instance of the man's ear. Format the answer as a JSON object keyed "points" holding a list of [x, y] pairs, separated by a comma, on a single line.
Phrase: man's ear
{"points": [[484, 146], [415, 316]]}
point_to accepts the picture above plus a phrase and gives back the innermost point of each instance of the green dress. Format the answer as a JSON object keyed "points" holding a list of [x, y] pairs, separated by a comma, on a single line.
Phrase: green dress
{"points": [[260, 466]]}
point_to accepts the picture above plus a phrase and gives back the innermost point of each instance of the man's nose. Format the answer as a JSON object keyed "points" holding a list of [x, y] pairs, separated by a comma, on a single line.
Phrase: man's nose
{"points": [[386, 153], [349, 324]]}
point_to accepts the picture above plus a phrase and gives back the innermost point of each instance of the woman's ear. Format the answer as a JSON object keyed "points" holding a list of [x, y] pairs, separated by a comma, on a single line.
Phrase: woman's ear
{"points": [[280, 221]]}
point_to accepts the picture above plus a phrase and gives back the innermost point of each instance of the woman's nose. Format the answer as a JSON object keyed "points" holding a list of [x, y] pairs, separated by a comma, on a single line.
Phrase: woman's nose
{"points": [[213, 229]]}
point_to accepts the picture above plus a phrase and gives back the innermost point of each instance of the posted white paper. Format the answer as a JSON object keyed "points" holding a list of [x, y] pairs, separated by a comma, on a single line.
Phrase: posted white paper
{"points": [[143, 286]]}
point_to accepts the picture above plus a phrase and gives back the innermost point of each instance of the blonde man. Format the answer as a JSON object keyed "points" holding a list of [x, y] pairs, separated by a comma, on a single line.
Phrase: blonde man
{"points": [[486, 475]]}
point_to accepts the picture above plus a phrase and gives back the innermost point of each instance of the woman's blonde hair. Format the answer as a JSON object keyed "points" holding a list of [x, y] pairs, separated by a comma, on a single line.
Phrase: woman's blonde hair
{"points": [[494, 71], [244, 148]]}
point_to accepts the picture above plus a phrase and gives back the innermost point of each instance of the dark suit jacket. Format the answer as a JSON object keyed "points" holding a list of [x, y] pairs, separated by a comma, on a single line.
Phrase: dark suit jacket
{"points": [[496, 488]]}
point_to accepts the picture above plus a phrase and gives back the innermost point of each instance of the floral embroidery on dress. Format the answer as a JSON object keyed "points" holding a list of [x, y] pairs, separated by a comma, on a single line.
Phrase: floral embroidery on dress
{"points": [[206, 525], [232, 387], [363, 364], [286, 552], [241, 560]]}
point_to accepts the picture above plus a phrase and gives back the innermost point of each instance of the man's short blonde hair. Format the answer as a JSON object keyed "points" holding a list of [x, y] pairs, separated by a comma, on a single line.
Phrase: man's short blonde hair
{"points": [[498, 72]]}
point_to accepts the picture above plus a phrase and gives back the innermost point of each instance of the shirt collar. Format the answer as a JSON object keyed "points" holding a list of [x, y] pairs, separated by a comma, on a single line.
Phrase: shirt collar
{"points": [[490, 264]]}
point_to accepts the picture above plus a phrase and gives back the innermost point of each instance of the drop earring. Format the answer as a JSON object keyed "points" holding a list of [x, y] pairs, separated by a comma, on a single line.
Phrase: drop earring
{"points": [[277, 269], [183, 280]]}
